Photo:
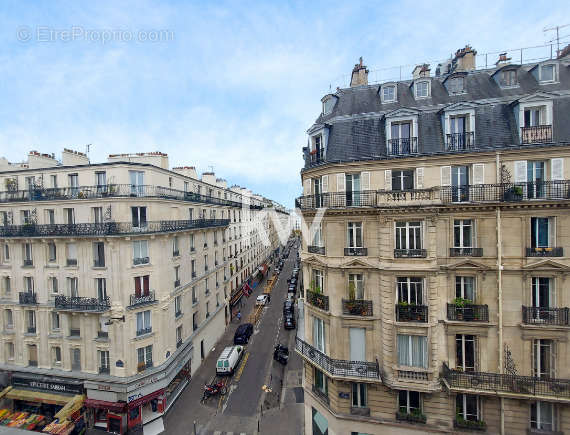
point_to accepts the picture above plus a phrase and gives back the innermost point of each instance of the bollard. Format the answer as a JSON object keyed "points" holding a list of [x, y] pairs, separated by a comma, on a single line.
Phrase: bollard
{"points": [[195, 433]]}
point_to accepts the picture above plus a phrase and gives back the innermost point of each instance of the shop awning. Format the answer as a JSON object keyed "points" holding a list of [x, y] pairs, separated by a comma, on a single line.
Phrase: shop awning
{"points": [[145, 399], [38, 396], [74, 405], [263, 268], [103, 404], [236, 297]]}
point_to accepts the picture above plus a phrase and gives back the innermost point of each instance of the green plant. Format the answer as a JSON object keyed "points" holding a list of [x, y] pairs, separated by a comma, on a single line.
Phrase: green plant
{"points": [[518, 190], [403, 304], [461, 302], [314, 287], [351, 291]]}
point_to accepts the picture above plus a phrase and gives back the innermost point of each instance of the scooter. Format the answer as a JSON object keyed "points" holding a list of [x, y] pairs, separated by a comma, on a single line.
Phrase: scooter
{"points": [[213, 390]]}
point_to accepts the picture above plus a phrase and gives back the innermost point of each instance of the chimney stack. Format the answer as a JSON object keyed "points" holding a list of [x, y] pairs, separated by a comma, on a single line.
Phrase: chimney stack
{"points": [[421, 71], [464, 59], [359, 75], [503, 60]]}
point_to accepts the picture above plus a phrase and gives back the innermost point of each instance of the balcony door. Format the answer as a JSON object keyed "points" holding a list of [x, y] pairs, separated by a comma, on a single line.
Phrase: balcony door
{"points": [[137, 183], [543, 358], [353, 190], [535, 175], [457, 140], [540, 232], [357, 344], [465, 287], [400, 142], [465, 352], [317, 189], [460, 183], [410, 290], [76, 359]]}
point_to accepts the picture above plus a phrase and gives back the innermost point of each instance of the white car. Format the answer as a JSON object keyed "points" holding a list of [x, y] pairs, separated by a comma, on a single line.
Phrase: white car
{"points": [[261, 300]]}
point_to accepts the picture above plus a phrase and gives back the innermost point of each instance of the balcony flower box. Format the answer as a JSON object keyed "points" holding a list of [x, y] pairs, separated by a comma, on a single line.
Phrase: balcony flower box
{"points": [[478, 425], [413, 417]]}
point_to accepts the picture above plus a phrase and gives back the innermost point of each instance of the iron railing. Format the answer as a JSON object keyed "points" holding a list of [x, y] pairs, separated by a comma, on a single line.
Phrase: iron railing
{"points": [[320, 394], [545, 316], [507, 192], [31, 329], [338, 367], [28, 262], [107, 228], [318, 300], [468, 313], [28, 298], [141, 260], [104, 370], [411, 313], [536, 134], [402, 146], [357, 307], [465, 252], [355, 252], [410, 253], [111, 191], [504, 383], [317, 156], [144, 331], [316, 249], [545, 252], [80, 303], [138, 300], [460, 141], [103, 334]]}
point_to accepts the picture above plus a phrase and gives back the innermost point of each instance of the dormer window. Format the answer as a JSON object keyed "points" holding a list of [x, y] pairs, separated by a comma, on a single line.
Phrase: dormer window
{"points": [[547, 73], [422, 89], [388, 93], [455, 85], [508, 78], [329, 102]]}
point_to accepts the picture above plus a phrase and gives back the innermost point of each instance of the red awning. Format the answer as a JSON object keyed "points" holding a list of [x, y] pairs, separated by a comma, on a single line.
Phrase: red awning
{"points": [[145, 399], [263, 268], [111, 406]]}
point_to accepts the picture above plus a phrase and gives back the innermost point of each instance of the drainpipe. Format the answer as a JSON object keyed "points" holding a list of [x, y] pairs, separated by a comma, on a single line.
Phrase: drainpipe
{"points": [[500, 282]]}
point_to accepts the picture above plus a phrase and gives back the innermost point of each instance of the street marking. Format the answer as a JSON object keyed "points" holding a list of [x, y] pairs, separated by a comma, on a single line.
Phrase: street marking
{"points": [[241, 367]]}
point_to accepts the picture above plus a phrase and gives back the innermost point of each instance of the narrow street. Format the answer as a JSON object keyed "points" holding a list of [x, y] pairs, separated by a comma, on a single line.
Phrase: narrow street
{"points": [[247, 407]]}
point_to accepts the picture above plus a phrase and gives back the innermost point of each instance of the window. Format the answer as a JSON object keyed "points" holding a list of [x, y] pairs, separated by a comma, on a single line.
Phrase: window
{"points": [[354, 235], [463, 233], [99, 254], [6, 252], [318, 280], [101, 181], [97, 215], [542, 295], [409, 235], [104, 366], [388, 94], [508, 78], [206, 262], [69, 215], [73, 181], [71, 254], [328, 105], [140, 252], [319, 334], [533, 116], [412, 351], [422, 89], [53, 180], [402, 180], [541, 232], [8, 319], [144, 357], [178, 305], [359, 396], [318, 236], [27, 253], [101, 286], [10, 350], [31, 321], [409, 402], [179, 336], [207, 309], [52, 252], [72, 287], [321, 382], [455, 85], [56, 355], [6, 285], [195, 321], [142, 285], [52, 285], [175, 250], [193, 267], [543, 358], [547, 73], [28, 284], [143, 323], [190, 213], [356, 282], [465, 287], [55, 321], [50, 217], [137, 183], [26, 217], [410, 290], [192, 247], [467, 407], [465, 352], [194, 297], [138, 217], [542, 416]]}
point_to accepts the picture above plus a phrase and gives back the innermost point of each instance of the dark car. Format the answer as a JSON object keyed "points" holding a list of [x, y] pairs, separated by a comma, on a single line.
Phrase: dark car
{"points": [[243, 333], [288, 307], [289, 322], [281, 354]]}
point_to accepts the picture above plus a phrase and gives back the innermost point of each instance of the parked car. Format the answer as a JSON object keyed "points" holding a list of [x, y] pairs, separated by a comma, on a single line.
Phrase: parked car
{"points": [[229, 360], [289, 322], [288, 307], [243, 333], [262, 300], [281, 354]]}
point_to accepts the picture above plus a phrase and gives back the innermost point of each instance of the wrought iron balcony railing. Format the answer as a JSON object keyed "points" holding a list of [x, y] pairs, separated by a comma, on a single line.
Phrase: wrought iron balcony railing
{"points": [[411, 313], [536, 134], [338, 367], [357, 307], [460, 141], [507, 192], [402, 146], [468, 313], [138, 300], [144, 331], [31, 329], [107, 228], [410, 253], [104, 370], [318, 300], [28, 298], [355, 252], [317, 156], [545, 316], [465, 252], [545, 252], [320, 394], [28, 262], [528, 386], [80, 303], [316, 249], [141, 260]]}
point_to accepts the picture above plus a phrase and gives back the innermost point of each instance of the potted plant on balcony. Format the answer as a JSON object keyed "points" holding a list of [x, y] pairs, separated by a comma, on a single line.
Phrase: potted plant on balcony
{"points": [[403, 312], [460, 304], [515, 193], [469, 424]]}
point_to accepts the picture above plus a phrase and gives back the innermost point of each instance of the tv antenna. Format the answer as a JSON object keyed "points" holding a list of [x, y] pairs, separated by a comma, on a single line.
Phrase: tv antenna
{"points": [[211, 168], [557, 28]]}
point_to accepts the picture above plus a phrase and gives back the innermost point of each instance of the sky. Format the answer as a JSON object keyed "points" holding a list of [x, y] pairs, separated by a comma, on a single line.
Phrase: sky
{"points": [[232, 85]]}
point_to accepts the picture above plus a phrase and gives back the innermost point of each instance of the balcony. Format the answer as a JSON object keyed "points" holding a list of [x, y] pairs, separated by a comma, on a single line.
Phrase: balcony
{"points": [[468, 313], [99, 263], [545, 252], [71, 262], [460, 141], [504, 384], [103, 335], [402, 146], [33, 363], [465, 252], [413, 417], [144, 331], [107, 228], [316, 249], [410, 253], [140, 300], [79, 303], [355, 252], [75, 332], [337, 367], [357, 307], [536, 134], [411, 313], [176, 253], [318, 300], [28, 298], [545, 316], [104, 370], [317, 156], [31, 330], [28, 263], [141, 260], [142, 366], [478, 425]]}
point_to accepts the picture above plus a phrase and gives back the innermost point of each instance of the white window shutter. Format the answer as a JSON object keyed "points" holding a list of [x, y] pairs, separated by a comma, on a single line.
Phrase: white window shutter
{"points": [[446, 175], [340, 182], [365, 181], [478, 173], [387, 179], [557, 169], [325, 183], [520, 171], [419, 178], [308, 186]]}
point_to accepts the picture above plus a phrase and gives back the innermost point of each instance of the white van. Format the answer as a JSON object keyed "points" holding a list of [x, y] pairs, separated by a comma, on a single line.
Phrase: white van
{"points": [[228, 360]]}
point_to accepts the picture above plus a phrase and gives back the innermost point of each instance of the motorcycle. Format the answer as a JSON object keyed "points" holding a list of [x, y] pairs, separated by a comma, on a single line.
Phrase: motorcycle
{"points": [[213, 390]]}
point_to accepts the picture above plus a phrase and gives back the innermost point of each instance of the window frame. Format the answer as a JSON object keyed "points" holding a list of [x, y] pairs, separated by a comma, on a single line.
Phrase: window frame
{"points": [[422, 82], [406, 228], [383, 90], [409, 409], [359, 395], [462, 408]]}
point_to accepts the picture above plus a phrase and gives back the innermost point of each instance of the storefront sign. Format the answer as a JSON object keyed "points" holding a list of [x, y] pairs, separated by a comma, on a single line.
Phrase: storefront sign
{"points": [[104, 387], [58, 387]]}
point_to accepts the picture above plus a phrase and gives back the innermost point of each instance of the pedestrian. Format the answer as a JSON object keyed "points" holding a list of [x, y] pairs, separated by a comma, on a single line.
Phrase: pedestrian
{"points": [[239, 316]]}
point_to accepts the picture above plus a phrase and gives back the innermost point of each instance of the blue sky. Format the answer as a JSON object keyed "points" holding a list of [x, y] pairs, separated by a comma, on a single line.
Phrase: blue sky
{"points": [[230, 84]]}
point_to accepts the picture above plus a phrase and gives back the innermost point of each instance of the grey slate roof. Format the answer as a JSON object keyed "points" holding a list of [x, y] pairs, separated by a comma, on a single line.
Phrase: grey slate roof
{"points": [[357, 122]]}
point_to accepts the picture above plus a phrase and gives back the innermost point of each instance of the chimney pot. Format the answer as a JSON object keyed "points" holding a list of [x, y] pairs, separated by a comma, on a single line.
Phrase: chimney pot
{"points": [[359, 74]]}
